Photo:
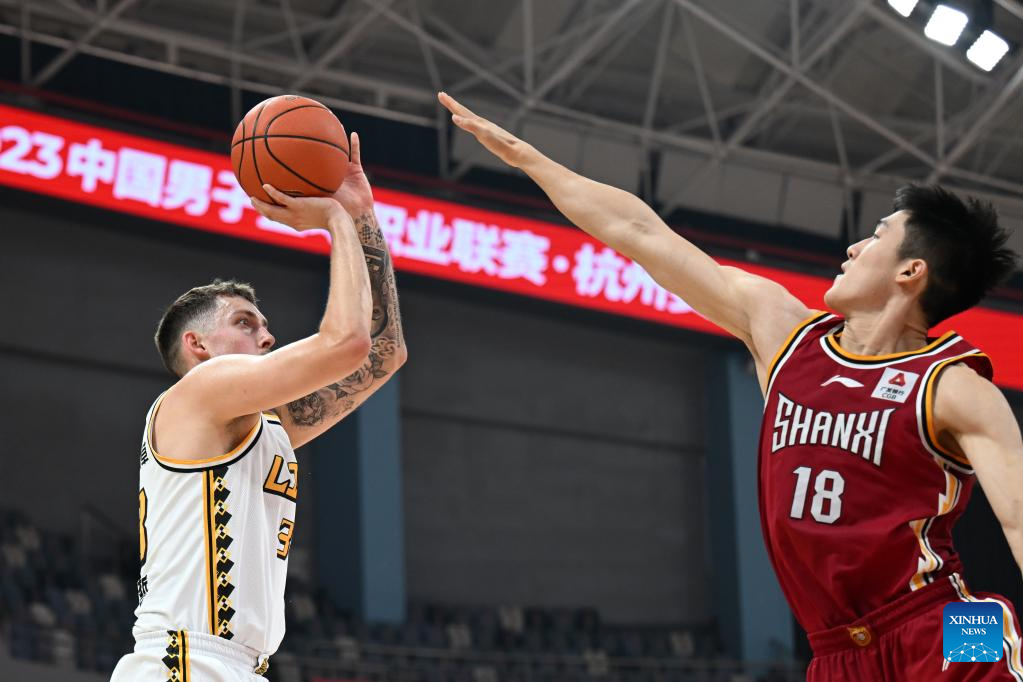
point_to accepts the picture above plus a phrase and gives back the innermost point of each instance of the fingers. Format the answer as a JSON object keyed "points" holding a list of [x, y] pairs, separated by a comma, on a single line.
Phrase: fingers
{"points": [[447, 101], [452, 105], [272, 211], [355, 148], [467, 124], [461, 115], [266, 210], [278, 196]]}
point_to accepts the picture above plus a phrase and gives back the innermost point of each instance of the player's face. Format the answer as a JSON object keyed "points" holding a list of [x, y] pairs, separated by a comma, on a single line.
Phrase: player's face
{"points": [[238, 327], [868, 276]]}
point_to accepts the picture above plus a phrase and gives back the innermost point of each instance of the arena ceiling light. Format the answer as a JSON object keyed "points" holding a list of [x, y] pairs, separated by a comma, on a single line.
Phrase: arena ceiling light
{"points": [[946, 25], [987, 50], [903, 7]]}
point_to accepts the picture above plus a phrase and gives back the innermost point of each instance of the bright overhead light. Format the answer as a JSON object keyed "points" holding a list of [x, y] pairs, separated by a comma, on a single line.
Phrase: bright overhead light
{"points": [[945, 25], [987, 50], [903, 7]]}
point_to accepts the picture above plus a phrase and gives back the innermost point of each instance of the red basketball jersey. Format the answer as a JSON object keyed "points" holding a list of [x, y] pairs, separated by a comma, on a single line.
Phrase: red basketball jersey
{"points": [[857, 498]]}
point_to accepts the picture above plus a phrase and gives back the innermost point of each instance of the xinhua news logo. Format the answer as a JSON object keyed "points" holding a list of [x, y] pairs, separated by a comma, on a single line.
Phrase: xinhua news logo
{"points": [[972, 632]]}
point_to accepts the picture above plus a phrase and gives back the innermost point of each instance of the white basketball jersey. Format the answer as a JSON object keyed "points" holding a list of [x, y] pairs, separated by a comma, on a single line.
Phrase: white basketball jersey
{"points": [[214, 538]]}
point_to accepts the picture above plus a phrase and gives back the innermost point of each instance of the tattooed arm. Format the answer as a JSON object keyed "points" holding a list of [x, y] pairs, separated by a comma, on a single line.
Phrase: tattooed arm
{"points": [[308, 417]]}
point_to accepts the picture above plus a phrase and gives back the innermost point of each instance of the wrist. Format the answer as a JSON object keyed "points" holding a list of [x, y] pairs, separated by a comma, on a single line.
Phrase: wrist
{"points": [[359, 210], [339, 223]]}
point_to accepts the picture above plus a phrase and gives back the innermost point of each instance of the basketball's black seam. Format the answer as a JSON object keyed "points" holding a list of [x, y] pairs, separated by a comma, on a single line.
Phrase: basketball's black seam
{"points": [[241, 159], [295, 137], [315, 105], [266, 143], [300, 106], [255, 162]]}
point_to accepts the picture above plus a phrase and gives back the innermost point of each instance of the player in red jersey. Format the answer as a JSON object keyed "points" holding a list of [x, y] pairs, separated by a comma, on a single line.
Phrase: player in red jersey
{"points": [[873, 433]]}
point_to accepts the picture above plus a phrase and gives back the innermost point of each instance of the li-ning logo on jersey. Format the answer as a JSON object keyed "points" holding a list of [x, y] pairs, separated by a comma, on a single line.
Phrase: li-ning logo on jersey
{"points": [[895, 385], [859, 433], [845, 381]]}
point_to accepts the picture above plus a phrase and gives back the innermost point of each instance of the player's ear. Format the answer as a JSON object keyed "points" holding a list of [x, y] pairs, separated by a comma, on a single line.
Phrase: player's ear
{"points": [[912, 270], [192, 344]]}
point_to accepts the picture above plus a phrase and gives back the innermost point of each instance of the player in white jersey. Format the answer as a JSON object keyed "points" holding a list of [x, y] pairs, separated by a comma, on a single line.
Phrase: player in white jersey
{"points": [[218, 473]]}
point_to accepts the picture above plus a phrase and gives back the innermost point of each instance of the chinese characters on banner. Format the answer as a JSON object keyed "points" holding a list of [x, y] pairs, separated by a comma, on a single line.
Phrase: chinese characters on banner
{"points": [[197, 189], [180, 185]]}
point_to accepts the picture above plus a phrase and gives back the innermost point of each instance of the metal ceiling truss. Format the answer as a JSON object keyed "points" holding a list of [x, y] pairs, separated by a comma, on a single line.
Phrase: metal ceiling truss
{"points": [[553, 77]]}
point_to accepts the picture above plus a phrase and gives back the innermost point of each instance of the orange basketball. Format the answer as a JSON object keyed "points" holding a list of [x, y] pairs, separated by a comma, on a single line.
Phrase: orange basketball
{"points": [[293, 143]]}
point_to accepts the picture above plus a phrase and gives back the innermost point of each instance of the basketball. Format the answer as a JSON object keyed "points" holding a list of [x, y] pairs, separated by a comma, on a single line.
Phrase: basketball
{"points": [[293, 143]]}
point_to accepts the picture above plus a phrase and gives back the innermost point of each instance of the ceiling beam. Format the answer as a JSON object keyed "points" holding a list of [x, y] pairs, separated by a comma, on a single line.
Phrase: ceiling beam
{"points": [[449, 52], [915, 37], [583, 51], [829, 36], [781, 65], [342, 44], [999, 97], [61, 60]]}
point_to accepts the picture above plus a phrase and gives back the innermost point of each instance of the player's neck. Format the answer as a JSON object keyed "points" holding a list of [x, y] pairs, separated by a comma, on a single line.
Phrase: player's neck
{"points": [[882, 332]]}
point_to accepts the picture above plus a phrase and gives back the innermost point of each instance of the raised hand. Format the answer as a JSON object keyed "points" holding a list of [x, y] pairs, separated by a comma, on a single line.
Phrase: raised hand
{"points": [[496, 139], [355, 194], [301, 213]]}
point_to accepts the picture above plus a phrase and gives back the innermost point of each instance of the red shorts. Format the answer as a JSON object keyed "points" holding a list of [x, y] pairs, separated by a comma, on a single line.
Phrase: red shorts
{"points": [[901, 642]]}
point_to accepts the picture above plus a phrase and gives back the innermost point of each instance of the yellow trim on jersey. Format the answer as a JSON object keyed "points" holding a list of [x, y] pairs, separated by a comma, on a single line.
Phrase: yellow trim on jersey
{"points": [[816, 316], [193, 462], [929, 389], [208, 531], [927, 562], [176, 659], [951, 493], [930, 560], [1009, 635], [835, 346], [212, 460], [186, 666]]}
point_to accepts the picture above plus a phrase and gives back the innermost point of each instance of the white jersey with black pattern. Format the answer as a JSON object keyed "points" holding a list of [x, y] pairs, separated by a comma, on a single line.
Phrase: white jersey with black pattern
{"points": [[214, 538]]}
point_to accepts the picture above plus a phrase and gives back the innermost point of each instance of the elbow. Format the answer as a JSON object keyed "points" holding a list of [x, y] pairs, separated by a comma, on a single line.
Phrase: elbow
{"points": [[357, 345], [350, 349], [401, 356]]}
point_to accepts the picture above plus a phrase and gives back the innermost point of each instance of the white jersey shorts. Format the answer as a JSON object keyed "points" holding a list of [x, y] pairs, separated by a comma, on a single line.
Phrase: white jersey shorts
{"points": [[181, 656]]}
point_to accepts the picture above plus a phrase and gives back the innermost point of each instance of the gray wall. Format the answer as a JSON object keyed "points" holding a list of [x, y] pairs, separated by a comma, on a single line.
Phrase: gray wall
{"points": [[546, 461], [551, 462], [78, 369]]}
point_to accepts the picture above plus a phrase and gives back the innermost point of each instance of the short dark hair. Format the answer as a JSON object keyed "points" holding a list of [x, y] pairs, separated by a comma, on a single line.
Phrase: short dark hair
{"points": [[960, 241], [186, 310]]}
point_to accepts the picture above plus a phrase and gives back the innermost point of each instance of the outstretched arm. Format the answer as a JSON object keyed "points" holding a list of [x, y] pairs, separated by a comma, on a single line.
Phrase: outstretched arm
{"points": [[972, 417], [759, 312], [239, 386], [309, 416]]}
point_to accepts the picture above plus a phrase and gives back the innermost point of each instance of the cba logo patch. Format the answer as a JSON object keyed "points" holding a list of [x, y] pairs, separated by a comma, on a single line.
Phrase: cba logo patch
{"points": [[895, 385], [972, 632]]}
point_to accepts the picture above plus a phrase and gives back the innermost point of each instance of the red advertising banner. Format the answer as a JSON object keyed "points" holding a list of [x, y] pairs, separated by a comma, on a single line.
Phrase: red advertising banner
{"points": [[197, 189]]}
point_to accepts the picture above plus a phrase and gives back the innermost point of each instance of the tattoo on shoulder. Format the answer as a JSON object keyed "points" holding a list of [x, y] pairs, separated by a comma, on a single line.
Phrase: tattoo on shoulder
{"points": [[308, 411]]}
